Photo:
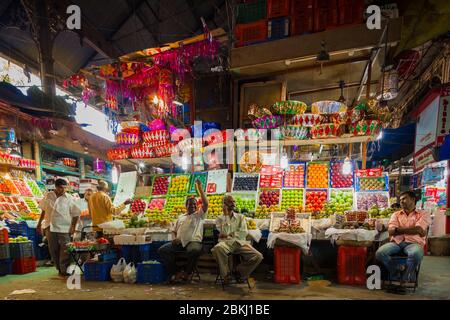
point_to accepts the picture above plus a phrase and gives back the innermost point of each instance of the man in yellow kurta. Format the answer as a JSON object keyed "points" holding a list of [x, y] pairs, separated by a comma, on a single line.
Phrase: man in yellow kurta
{"points": [[101, 207]]}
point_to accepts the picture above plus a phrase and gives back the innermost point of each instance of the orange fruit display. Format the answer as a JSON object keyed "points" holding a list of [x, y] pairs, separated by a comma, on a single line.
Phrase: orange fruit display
{"points": [[317, 176]]}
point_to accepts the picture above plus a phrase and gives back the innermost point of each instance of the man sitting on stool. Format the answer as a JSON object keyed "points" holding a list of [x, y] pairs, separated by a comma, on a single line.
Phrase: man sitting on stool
{"points": [[232, 240], [187, 236], [407, 229]]}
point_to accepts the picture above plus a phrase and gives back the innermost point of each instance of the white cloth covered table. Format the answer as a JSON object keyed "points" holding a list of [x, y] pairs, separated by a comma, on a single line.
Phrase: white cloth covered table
{"points": [[302, 240], [255, 234], [351, 234]]}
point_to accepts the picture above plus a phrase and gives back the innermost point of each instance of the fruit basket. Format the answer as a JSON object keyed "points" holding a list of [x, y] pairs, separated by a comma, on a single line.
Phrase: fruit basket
{"points": [[328, 107], [315, 200], [366, 128], [292, 198], [267, 122], [338, 178], [245, 182], [328, 130], [160, 185], [294, 177], [289, 107], [306, 120], [372, 183], [294, 132], [124, 138], [271, 177], [251, 161], [179, 184], [317, 175], [202, 176]]}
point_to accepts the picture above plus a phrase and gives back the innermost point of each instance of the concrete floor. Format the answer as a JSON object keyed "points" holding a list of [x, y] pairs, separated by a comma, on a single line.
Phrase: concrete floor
{"points": [[434, 284]]}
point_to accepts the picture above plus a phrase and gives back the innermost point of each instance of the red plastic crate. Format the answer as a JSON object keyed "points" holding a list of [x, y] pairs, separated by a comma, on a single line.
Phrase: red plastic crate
{"points": [[302, 16], [251, 33], [287, 265], [351, 265], [24, 265], [325, 14], [278, 8], [4, 237]]}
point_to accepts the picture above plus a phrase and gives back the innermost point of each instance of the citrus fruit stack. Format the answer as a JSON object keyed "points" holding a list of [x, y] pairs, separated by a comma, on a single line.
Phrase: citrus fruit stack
{"points": [[317, 176], [214, 206], [179, 185]]}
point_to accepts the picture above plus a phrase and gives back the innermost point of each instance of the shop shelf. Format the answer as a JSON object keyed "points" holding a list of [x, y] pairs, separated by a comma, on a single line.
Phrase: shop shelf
{"points": [[97, 271], [24, 265], [5, 267], [150, 273], [278, 8], [21, 250], [287, 265], [251, 33], [251, 12], [278, 28], [351, 265], [4, 251], [4, 236]]}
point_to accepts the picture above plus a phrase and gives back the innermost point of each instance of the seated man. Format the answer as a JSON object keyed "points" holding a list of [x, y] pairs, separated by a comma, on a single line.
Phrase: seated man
{"points": [[232, 240], [187, 236], [407, 229]]}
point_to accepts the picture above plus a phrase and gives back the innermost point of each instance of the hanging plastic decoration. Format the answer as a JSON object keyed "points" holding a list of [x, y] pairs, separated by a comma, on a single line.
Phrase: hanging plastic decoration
{"points": [[166, 93], [87, 94], [111, 102], [76, 80], [99, 166]]}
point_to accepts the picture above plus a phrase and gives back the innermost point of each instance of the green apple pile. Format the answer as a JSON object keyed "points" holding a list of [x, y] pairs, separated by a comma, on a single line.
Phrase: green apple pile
{"points": [[35, 190], [340, 201], [292, 198], [19, 239], [243, 203]]}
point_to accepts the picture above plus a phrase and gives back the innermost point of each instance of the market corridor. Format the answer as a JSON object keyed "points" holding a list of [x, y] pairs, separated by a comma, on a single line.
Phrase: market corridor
{"points": [[434, 284]]}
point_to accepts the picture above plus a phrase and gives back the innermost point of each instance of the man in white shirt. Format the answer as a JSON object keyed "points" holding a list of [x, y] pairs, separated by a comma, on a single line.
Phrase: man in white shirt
{"points": [[233, 240], [61, 212], [187, 236]]}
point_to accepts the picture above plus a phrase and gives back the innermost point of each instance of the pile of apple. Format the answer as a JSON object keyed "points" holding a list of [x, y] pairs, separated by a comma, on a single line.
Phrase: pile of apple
{"points": [[269, 198], [179, 185], [315, 200], [174, 202], [340, 201], [242, 203], [23, 188], [372, 183], [292, 198], [160, 186], [157, 204], [317, 176], [138, 206], [295, 177], [338, 179], [264, 212], [34, 188], [214, 206], [32, 205]]}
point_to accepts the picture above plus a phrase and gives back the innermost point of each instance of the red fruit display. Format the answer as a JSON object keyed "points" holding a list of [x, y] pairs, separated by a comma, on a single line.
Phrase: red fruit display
{"points": [[295, 176], [157, 204], [270, 177], [338, 179], [269, 198], [315, 200], [138, 206], [160, 186], [23, 188]]}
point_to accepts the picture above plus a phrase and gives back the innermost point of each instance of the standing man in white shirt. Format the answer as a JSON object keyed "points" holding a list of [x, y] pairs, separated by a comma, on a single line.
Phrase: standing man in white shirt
{"points": [[62, 214], [187, 236], [233, 240]]}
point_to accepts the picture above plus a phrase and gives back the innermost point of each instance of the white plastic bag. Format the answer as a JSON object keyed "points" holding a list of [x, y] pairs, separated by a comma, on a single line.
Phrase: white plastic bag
{"points": [[129, 274], [117, 270]]}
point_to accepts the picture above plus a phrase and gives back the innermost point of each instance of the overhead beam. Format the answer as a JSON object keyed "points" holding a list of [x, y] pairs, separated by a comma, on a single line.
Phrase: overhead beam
{"points": [[91, 36], [143, 18]]}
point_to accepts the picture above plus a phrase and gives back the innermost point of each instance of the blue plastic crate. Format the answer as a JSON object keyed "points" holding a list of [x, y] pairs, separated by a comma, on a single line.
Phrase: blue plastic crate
{"points": [[136, 253], [278, 28], [21, 250], [18, 228], [152, 273], [5, 267], [108, 257], [4, 251], [97, 271], [265, 233]]}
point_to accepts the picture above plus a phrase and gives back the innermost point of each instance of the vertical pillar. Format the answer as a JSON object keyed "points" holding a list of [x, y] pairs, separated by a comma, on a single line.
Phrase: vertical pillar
{"points": [[364, 155], [82, 167], [37, 158]]}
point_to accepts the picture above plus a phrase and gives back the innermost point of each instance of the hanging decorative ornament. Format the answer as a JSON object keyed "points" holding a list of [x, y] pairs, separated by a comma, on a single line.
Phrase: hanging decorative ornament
{"points": [[99, 166]]}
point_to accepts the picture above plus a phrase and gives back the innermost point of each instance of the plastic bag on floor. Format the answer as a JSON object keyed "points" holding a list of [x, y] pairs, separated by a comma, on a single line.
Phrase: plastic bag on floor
{"points": [[129, 274], [117, 270]]}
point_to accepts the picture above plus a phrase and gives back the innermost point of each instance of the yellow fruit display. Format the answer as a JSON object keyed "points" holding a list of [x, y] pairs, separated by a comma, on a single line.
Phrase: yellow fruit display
{"points": [[251, 224], [214, 206], [179, 185], [264, 212]]}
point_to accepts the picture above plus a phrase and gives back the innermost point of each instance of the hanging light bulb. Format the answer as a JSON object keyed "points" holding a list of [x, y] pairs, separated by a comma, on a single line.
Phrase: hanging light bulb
{"points": [[155, 100], [347, 167], [380, 135], [115, 175], [284, 161]]}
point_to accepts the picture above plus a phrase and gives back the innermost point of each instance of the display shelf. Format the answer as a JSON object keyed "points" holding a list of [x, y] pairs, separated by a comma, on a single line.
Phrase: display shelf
{"points": [[11, 166], [60, 169]]}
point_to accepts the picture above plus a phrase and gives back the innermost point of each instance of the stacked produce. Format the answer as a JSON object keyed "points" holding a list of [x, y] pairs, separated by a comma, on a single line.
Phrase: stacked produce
{"points": [[340, 201], [173, 204], [12, 187], [367, 200], [376, 183], [157, 203], [215, 206], [158, 217], [269, 198], [138, 206], [338, 178], [245, 183], [292, 198], [317, 176], [251, 224], [271, 177], [375, 212], [35, 190], [315, 200], [295, 177], [179, 185], [160, 185], [244, 204], [32, 205], [136, 222]]}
